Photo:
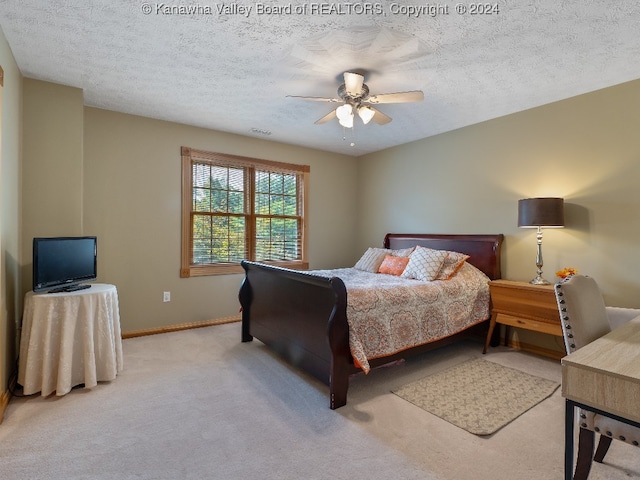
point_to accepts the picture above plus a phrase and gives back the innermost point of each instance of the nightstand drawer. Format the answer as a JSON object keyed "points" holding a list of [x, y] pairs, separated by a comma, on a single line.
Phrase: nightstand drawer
{"points": [[543, 326], [535, 302]]}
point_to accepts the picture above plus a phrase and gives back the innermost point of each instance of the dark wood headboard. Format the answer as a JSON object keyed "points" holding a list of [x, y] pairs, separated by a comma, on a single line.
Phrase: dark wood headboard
{"points": [[483, 250]]}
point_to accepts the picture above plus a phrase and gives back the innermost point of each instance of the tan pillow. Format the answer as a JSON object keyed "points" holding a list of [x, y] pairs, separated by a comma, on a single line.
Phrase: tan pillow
{"points": [[373, 258], [452, 263], [424, 263], [403, 252], [393, 265]]}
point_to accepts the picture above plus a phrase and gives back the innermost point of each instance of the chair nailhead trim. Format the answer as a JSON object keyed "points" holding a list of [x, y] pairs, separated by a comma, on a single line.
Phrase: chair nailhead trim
{"points": [[609, 434], [635, 442], [597, 429], [564, 317], [582, 415], [622, 438], [583, 425]]}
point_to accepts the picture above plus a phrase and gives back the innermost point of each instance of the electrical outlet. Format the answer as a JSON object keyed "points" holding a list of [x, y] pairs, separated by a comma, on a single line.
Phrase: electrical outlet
{"points": [[166, 297]]}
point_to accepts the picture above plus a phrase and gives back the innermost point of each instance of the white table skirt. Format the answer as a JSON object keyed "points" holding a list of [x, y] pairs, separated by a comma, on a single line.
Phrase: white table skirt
{"points": [[70, 338]]}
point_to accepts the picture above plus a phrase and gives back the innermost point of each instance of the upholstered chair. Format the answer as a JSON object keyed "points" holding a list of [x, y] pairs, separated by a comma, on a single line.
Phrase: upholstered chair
{"points": [[584, 318]]}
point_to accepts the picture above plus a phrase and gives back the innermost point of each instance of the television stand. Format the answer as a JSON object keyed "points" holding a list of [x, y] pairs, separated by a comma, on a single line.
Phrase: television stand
{"points": [[69, 339], [70, 288]]}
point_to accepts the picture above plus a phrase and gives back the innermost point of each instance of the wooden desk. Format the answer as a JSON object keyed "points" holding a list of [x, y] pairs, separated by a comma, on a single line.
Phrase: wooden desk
{"points": [[604, 377], [523, 305]]}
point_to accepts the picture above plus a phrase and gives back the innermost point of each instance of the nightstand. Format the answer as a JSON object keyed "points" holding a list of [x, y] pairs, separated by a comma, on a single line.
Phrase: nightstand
{"points": [[523, 305]]}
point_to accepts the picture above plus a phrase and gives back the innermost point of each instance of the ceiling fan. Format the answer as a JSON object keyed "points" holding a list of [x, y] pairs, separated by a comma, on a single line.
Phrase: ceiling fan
{"points": [[355, 98]]}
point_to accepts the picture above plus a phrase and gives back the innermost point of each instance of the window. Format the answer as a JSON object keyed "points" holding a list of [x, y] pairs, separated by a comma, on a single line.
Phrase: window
{"points": [[236, 208]]}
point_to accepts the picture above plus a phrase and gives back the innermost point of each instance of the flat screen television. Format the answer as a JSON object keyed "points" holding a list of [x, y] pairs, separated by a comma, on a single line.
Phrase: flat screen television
{"points": [[62, 264]]}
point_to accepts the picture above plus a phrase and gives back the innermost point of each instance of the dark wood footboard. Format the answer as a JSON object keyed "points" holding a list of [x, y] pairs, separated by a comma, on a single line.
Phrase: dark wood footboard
{"points": [[303, 318]]}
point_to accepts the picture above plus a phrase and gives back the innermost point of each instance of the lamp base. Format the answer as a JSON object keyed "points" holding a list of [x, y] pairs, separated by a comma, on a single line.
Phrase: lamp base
{"points": [[539, 281]]}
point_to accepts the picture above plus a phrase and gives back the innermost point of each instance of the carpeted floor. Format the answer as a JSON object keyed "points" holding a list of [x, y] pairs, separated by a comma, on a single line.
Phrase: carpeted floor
{"points": [[199, 404]]}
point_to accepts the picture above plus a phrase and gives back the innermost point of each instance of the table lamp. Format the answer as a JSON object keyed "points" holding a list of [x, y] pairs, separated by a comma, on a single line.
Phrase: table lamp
{"points": [[538, 213]]}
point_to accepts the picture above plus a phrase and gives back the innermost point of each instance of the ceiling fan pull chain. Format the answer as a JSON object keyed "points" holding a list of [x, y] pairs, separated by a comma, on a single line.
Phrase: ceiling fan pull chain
{"points": [[353, 135]]}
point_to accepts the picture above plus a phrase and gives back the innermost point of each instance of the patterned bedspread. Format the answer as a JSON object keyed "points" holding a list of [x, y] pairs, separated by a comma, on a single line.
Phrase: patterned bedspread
{"points": [[388, 314]]}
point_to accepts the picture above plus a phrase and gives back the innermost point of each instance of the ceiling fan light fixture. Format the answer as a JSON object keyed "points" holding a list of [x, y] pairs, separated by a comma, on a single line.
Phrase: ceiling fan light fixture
{"points": [[346, 122], [366, 113], [345, 115], [344, 111]]}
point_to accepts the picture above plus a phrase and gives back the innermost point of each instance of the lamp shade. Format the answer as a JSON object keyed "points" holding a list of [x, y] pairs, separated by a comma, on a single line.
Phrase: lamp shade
{"points": [[366, 113], [541, 212], [345, 115]]}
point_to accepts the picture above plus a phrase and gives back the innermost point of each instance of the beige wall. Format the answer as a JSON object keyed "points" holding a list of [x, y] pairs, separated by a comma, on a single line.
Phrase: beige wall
{"points": [[585, 149], [10, 292], [132, 203], [52, 165]]}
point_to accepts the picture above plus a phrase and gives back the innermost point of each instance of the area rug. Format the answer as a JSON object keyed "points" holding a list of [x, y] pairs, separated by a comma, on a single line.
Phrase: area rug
{"points": [[478, 395]]}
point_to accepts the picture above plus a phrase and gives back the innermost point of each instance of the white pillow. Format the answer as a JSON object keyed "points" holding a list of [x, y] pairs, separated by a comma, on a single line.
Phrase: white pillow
{"points": [[373, 257], [424, 263]]}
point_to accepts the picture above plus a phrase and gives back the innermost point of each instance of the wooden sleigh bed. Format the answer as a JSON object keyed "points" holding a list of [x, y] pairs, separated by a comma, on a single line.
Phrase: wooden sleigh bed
{"points": [[303, 317]]}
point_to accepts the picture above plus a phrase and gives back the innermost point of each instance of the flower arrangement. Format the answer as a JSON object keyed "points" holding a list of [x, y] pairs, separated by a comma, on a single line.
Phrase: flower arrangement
{"points": [[567, 272]]}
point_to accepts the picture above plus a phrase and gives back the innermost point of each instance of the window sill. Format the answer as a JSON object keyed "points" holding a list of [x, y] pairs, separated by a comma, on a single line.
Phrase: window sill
{"points": [[234, 268]]}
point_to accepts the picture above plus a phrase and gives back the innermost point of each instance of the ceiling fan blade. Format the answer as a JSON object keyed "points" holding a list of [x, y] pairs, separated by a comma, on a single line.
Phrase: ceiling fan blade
{"points": [[380, 118], [316, 99], [353, 83], [399, 97], [329, 116]]}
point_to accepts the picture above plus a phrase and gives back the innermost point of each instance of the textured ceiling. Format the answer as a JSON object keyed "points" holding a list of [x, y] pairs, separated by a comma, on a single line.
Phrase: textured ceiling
{"points": [[232, 70]]}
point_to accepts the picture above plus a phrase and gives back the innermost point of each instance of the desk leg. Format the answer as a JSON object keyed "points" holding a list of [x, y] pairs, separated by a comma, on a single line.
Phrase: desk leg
{"points": [[569, 417]]}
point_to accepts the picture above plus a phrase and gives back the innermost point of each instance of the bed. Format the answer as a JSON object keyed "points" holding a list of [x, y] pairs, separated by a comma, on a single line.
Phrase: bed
{"points": [[303, 315]]}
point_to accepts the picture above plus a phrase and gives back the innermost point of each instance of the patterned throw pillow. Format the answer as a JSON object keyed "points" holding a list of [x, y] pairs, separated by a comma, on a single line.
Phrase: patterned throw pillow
{"points": [[424, 263], [451, 265], [373, 257], [393, 265]]}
